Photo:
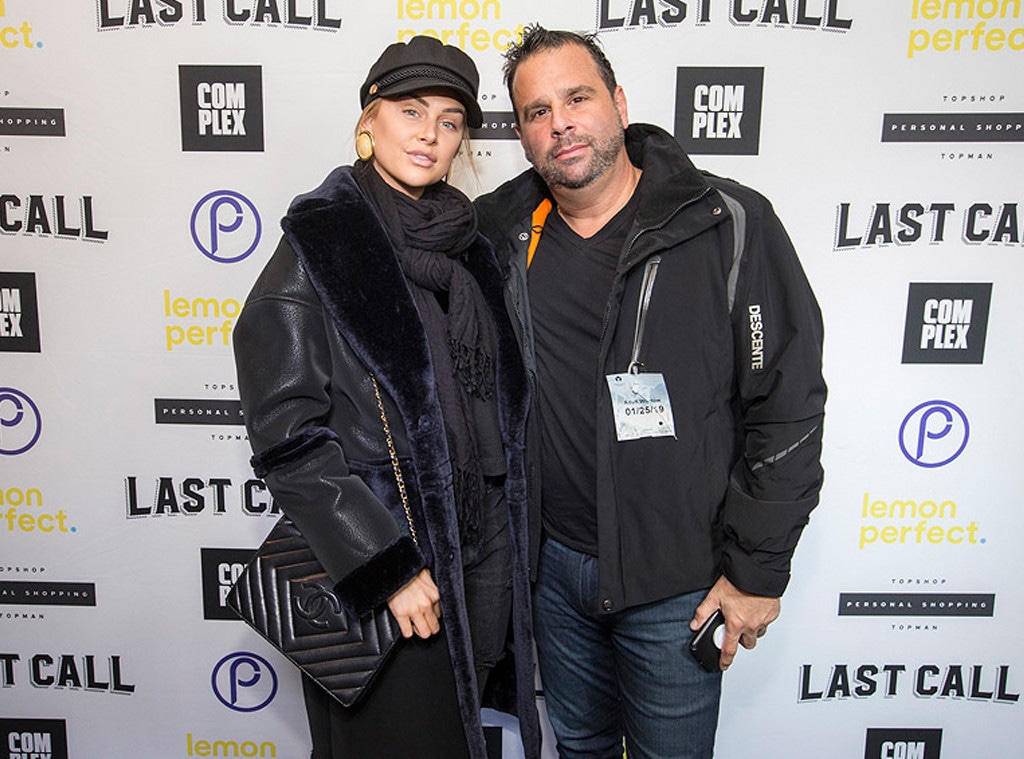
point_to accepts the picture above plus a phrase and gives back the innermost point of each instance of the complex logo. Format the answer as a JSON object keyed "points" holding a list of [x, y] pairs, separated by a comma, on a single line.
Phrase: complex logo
{"points": [[613, 15], [977, 682], [194, 495], [953, 127], [86, 672], [26, 592], [20, 422], [27, 738], [221, 568], [32, 122], [226, 227], [917, 604], [299, 14], [244, 682], [934, 433], [221, 108], [946, 323], [19, 313], [718, 110], [902, 743]]}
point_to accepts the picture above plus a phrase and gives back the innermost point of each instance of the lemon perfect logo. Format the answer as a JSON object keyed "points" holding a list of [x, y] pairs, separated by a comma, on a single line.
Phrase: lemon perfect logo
{"points": [[22, 511], [199, 321], [466, 24], [909, 522], [965, 26], [15, 34]]}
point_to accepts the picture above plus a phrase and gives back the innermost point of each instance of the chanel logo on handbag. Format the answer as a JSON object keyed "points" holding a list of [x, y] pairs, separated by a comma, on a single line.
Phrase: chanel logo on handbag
{"points": [[317, 606]]}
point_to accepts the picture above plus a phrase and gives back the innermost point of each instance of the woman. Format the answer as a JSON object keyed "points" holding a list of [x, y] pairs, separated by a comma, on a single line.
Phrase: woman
{"points": [[381, 284]]}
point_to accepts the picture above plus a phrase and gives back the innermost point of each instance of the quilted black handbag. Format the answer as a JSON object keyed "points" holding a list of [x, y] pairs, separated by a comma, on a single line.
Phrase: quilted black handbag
{"points": [[287, 597]]}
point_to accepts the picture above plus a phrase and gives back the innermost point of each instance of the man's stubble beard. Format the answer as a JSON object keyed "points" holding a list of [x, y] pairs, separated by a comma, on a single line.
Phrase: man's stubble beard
{"points": [[604, 153]]}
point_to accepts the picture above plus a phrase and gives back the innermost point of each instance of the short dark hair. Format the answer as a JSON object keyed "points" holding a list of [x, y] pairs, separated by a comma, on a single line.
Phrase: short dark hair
{"points": [[537, 39]]}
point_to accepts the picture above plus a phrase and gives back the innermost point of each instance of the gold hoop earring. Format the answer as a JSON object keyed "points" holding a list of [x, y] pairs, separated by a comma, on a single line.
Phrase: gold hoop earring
{"points": [[364, 145]]}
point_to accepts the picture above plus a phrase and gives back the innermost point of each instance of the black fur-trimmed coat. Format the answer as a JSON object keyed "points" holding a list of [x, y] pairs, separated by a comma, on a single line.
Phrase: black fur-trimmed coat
{"points": [[330, 308]]}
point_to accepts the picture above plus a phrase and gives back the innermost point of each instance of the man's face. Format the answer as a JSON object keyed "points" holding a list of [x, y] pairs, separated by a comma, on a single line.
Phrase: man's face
{"points": [[571, 128]]}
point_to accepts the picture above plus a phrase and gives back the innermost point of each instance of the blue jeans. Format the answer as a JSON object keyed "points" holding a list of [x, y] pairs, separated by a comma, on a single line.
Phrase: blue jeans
{"points": [[625, 674]]}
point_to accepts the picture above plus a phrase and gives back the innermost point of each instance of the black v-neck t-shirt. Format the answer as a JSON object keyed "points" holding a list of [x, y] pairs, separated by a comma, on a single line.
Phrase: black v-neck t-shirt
{"points": [[570, 279]]}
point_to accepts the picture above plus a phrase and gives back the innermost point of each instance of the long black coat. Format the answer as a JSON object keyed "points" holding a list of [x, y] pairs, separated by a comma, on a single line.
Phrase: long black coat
{"points": [[331, 308]]}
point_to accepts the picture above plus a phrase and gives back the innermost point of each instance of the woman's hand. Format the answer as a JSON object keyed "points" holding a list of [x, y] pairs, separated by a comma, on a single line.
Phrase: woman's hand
{"points": [[417, 606]]}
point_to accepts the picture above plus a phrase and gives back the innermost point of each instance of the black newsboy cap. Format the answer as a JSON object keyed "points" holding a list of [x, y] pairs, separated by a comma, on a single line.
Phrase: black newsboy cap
{"points": [[422, 63]]}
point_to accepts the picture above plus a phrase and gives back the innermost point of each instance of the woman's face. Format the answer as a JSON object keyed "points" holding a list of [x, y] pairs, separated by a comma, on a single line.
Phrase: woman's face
{"points": [[416, 138]]}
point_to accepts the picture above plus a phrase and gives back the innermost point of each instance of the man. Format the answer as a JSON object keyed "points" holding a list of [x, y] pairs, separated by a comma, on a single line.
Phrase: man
{"points": [[677, 422]]}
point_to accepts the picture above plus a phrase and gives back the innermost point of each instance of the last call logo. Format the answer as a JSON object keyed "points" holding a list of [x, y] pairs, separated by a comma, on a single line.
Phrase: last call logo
{"points": [[613, 15], [33, 739], [718, 110], [19, 313], [77, 672], [62, 216], [191, 496], [885, 223], [956, 681], [297, 14], [221, 108], [946, 323]]}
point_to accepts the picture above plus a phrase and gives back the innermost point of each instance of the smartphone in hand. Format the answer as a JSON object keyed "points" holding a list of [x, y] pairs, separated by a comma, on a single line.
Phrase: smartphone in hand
{"points": [[706, 644]]}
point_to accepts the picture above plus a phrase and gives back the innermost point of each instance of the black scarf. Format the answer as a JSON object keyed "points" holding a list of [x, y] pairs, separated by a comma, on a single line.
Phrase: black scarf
{"points": [[430, 236]]}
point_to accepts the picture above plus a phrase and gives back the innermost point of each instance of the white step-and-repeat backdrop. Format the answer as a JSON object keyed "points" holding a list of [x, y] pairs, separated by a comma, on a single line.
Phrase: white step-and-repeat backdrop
{"points": [[148, 149]]}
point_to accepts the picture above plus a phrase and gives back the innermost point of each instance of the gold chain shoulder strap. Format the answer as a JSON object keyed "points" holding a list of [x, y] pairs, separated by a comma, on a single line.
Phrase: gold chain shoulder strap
{"points": [[399, 479]]}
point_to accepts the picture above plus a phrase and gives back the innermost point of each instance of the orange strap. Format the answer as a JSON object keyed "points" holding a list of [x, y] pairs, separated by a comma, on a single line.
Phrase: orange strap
{"points": [[540, 215]]}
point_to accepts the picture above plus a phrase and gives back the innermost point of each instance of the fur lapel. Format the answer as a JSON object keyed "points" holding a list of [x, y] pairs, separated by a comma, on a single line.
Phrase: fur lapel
{"points": [[337, 235]]}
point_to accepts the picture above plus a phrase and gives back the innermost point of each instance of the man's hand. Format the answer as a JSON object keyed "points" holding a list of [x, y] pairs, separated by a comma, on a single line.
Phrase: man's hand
{"points": [[417, 606], [746, 617]]}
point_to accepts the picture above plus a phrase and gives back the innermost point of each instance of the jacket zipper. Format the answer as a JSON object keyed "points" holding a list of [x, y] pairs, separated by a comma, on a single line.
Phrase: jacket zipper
{"points": [[646, 289], [607, 311]]}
